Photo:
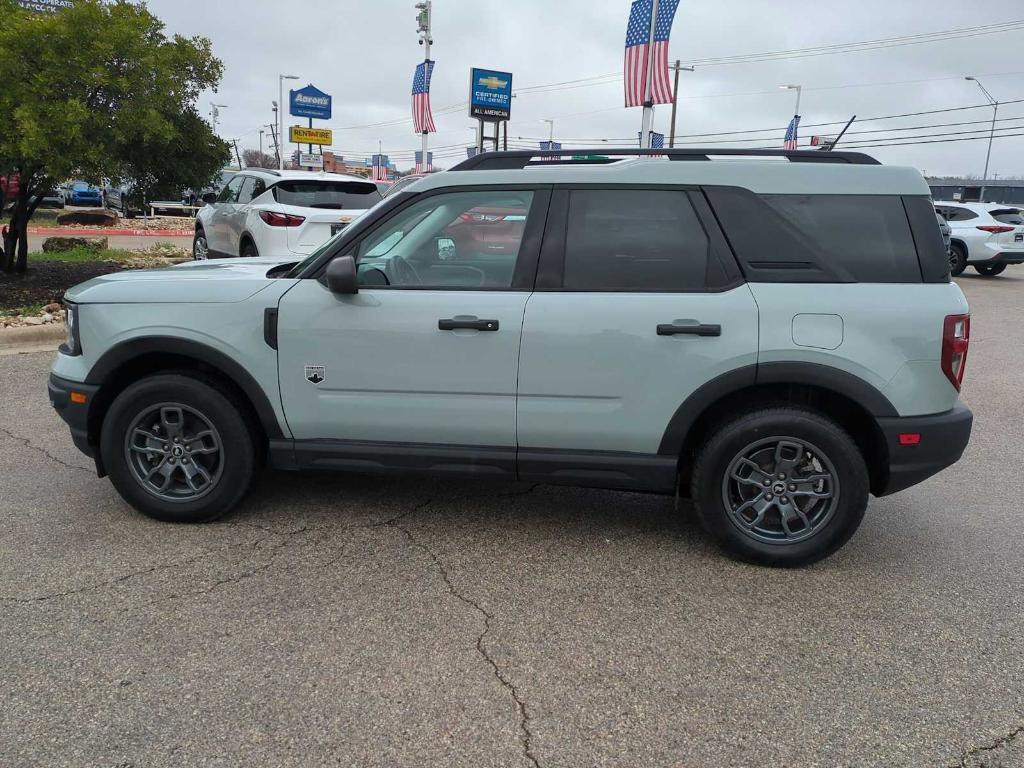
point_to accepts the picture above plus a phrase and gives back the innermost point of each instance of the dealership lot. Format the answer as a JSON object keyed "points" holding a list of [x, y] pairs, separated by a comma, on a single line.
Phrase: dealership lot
{"points": [[356, 620]]}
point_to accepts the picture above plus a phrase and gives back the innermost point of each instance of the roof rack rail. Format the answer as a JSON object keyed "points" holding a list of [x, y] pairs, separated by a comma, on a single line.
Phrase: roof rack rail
{"points": [[521, 158]]}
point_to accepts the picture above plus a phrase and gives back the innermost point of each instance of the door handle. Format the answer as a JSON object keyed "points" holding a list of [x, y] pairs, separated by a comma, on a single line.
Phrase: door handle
{"points": [[453, 323], [698, 329]]}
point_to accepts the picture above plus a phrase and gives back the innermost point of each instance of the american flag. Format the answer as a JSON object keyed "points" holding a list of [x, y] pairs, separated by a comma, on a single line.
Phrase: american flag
{"points": [[427, 167], [422, 120], [790, 141], [657, 139], [639, 57], [549, 146], [380, 168]]}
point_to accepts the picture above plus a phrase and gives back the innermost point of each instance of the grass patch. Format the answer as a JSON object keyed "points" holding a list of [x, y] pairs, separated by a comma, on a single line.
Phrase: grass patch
{"points": [[82, 255], [28, 309]]}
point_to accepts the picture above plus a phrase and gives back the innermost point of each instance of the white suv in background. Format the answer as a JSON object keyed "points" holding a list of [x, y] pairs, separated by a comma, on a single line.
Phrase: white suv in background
{"points": [[987, 236], [265, 212]]}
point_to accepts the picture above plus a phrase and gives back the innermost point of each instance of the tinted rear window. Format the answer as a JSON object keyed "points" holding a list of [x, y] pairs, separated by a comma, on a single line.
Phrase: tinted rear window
{"points": [[1008, 216], [868, 236], [353, 195]]}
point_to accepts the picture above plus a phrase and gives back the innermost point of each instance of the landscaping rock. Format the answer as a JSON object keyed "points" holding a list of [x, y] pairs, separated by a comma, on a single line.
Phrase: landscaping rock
{"points": [[33, 321], [53, 308], [90, 218], [59, 244]]}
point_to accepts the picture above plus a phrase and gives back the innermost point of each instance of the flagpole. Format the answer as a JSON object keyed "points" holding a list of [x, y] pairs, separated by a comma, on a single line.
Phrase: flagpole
{"points": [[425, 29], [648, 118]]}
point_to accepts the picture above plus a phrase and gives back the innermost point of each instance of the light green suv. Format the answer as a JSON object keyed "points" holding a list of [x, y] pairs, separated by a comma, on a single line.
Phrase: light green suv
{"points": [[773, 334]]}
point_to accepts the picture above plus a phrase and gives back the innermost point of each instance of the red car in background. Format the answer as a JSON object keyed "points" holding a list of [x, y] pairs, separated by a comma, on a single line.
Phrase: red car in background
{"points": [[484, 231]]}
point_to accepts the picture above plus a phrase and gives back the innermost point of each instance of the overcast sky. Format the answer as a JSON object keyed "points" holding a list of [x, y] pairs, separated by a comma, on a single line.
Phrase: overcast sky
{"points": [[363, 53]]}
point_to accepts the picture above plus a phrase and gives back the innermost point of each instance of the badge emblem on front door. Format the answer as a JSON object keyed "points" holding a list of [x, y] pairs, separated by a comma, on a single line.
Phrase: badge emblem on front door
{"points": [[316, 374]]}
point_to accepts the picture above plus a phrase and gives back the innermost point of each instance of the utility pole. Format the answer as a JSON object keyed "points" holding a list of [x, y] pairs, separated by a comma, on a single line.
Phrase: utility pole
{"points": [[238, 157], [273, 135], [675, 102], [648, 118], [992, 132], [423, 29]]}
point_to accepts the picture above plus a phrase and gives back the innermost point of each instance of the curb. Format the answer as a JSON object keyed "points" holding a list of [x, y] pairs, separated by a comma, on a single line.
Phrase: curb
{"points": [[32, 338], [97, 232]]}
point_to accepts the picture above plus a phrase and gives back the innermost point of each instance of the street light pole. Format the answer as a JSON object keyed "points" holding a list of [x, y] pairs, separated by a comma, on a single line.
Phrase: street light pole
{"points": [[992, 131], [215, 113], [280, 116], [424, 19], [551, 132]]}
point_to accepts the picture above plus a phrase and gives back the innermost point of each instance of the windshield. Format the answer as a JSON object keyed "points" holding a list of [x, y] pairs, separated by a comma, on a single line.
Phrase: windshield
{"points": [[351, 195]]}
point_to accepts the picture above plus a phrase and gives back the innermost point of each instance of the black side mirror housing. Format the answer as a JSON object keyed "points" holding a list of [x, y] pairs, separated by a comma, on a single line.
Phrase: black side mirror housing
{"points": [[210, 198], [341, 275]]}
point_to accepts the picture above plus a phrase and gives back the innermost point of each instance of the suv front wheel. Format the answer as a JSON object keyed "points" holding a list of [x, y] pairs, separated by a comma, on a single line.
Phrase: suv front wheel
{"points": [[177, 449], [781, 486], [200, 246]]}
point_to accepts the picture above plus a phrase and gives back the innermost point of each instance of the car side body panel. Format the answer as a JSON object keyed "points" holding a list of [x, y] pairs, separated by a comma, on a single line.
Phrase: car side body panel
{"points": [[231, 330], [890, 335]]}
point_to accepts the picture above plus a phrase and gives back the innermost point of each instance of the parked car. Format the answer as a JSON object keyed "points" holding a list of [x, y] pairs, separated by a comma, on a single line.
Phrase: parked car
{"points": [[986, 236], [265, 212], [124, 198], [402, 183], [775, 341], [83, 193], [947, 234]]}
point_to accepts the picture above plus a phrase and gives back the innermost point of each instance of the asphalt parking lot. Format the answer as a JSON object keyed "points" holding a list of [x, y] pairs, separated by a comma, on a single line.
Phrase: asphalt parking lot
{"points": [[360, 621]]}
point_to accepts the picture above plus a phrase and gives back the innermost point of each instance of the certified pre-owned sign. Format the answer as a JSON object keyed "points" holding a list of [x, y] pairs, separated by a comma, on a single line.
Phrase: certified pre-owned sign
{"points": [[310, 102], [490, 94]]}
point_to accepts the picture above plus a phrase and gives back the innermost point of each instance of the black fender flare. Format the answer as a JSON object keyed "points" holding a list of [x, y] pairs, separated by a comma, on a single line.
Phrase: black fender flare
{"points": [[811, 374], [127, 351]]}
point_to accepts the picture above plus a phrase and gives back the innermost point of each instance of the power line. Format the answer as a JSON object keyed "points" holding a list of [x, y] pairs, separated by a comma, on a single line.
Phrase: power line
{"points": [[796, 53]]}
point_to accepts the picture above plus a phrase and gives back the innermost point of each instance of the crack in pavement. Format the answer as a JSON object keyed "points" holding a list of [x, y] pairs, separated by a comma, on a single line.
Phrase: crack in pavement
{"points": [[999, 742], [524, 715], [25, 441], [135, 574]]}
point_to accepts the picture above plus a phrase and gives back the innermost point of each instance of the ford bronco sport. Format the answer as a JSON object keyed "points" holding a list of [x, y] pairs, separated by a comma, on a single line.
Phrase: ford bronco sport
{"points": [[772, 334]]}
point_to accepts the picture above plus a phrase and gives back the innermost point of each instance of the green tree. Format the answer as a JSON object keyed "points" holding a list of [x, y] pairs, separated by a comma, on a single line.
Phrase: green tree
{"points": [[99, 91]]}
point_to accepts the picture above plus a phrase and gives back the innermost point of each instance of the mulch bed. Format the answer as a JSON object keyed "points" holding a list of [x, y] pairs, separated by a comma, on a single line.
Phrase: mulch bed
{"points": [[45, 281]]}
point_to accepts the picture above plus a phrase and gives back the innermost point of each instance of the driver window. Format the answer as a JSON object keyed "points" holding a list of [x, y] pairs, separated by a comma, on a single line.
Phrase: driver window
{"points": [[230, 192], [453, 240]]}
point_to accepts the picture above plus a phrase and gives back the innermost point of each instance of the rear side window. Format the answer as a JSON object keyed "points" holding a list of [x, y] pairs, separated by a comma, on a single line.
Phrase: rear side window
{"points": [[339, 195], [954, 213], [867, 236], [1008, 216], [634, 240]]}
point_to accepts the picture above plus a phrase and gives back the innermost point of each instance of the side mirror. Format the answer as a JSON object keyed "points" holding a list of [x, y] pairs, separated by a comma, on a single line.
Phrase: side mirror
{"points": [[341, 275], [445, 248], [210, 198]]}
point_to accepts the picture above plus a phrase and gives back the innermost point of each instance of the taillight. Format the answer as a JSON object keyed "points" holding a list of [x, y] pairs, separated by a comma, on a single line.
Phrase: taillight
{"points": [[275, 219], [994, 228], [956, 337]]}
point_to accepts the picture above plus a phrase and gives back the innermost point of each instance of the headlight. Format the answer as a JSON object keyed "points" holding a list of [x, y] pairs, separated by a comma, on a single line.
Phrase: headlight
{"points": [[73, 344]]}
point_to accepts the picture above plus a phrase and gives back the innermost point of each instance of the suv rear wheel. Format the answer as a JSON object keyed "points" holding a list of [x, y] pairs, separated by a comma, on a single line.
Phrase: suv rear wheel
{"points": [[990, 270], [957, 259], [781, 486], [177, 449]]}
